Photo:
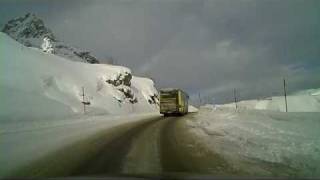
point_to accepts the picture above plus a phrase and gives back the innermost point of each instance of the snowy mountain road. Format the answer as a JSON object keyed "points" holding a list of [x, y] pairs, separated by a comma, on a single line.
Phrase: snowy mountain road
{"points": [[156, 147]]}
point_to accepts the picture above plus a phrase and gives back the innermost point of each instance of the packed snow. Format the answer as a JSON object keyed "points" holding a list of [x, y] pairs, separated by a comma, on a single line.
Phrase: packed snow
{"points": [[260, 142], [302, 101]]}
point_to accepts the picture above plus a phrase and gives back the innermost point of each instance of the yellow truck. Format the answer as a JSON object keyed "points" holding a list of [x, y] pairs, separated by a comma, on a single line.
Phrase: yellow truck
{"points": [[173, 102]]}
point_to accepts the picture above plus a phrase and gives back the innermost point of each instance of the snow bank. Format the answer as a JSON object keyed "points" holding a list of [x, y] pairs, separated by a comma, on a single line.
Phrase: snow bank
{"points": [[262, 142], [39, 85], [192, 109], [302, 101]]}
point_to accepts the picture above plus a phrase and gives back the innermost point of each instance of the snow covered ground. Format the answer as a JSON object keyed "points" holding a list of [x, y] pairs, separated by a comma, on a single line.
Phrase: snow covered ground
{"points": [[39, 85], [302, 101], [261, 142], [192, 109]]}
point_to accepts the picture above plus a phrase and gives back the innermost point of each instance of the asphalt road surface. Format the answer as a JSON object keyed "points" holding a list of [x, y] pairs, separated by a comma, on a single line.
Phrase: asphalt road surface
{"points": [[155, 147]]}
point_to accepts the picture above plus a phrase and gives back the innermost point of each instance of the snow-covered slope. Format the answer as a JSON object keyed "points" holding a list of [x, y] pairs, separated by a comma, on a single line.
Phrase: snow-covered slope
{"points": [[147, 89], [302, 101], [35, 84], [261, 143], [31, 31]]}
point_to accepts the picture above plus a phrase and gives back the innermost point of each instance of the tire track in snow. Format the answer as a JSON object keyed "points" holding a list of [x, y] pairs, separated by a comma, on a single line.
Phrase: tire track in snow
{"points": [[112, 157], [144, 155]]}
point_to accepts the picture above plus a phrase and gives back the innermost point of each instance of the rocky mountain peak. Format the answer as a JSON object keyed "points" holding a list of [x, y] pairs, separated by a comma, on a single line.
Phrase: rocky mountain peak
{"points": [[31, 31], [27, 26]]}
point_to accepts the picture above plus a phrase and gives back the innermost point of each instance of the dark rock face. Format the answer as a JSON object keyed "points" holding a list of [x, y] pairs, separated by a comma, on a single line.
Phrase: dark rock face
{"points": [[127, 79], [127, 92], [28, 26], [133, 101], [122, 79], [30, 31], [123, 84], [129, 95], [154, 99], [86, 56]]}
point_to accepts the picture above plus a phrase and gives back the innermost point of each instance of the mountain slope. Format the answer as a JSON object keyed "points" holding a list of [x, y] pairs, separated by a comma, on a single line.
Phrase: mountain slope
{"points": [[31, 32], [35, 85]]}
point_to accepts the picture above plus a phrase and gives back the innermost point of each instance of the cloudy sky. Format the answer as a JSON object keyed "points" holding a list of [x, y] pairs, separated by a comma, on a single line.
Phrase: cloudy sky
{"points": [[203, 46]]}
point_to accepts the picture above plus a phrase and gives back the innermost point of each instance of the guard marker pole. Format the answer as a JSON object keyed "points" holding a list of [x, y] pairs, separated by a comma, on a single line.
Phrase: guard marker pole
{"points": [[235, 97], [285, 93]]}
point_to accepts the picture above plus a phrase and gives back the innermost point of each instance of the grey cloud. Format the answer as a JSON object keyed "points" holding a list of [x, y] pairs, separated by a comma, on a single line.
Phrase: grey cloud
{"points": [[206, 46]]}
